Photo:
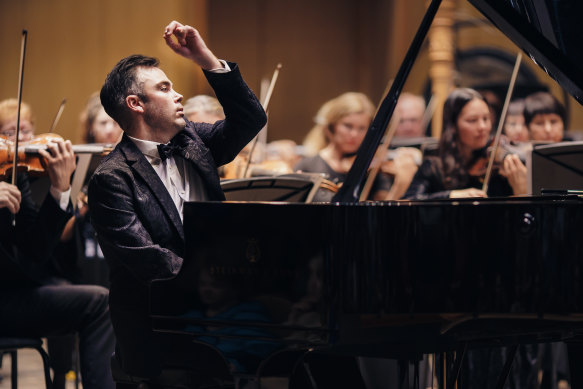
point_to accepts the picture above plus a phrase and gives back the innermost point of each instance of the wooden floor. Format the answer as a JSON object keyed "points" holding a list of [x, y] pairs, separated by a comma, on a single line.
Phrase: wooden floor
{"points": [[30, 371]]}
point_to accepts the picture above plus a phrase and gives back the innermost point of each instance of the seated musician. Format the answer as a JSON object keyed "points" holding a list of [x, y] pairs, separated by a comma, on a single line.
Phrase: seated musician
{"points": [[545, 118], [98, 126], [34, 300], [410, 109], [203, 108], [467, 125], [514, 125], [137, 194], [341, 125]]}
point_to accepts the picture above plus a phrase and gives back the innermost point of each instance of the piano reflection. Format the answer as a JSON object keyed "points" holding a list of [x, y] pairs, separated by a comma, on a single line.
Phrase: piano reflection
{"points": [[391, 279]]}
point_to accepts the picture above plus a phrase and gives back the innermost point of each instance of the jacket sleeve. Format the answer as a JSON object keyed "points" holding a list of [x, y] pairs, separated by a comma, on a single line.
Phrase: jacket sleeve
{"points": [[244, 116], [122, 236], [37, 231]]}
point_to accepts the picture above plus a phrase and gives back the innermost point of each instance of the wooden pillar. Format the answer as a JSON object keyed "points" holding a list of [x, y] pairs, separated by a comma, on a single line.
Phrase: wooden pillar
{"points": [[441, 59]]}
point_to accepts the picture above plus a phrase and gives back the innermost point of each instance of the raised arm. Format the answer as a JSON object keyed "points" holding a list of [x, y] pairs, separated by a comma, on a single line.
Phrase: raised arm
{"points": [[189, 44]]}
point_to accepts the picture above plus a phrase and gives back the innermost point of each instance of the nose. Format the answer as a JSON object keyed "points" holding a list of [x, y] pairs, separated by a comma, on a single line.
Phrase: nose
{"points": [[548, 126], [178, 97]]}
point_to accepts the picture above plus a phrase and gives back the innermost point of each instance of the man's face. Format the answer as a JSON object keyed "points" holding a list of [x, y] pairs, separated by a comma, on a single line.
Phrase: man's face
{"points": [[162, 106]]}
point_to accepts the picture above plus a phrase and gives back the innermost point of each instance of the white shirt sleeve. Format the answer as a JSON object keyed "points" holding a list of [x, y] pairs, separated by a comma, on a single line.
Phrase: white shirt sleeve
{"points": [[225, 69], [62, 198]]}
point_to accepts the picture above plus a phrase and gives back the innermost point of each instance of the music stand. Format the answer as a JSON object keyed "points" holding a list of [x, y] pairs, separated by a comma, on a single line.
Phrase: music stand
{"points": [[557, 168], [300, 188]]}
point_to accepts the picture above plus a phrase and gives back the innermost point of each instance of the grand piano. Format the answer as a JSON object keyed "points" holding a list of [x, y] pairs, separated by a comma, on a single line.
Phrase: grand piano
{"points": [[278, 281]]}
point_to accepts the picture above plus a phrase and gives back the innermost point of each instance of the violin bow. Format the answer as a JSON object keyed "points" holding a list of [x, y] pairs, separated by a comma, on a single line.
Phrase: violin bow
{"points": [[393, 124], [20, 78], [265, 105], [501, 122], [58, 116]]}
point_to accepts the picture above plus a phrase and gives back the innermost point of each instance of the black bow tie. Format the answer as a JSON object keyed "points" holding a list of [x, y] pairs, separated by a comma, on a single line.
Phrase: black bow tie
{"points": [[166, 150]]}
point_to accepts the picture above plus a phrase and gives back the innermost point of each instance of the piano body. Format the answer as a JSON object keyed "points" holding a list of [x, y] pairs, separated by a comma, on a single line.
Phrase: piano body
{"points": [[391, 279]]}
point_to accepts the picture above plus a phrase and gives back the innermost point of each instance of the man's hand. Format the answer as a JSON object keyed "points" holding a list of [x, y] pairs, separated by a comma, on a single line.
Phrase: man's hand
{"points": [[60, 163], [9, 197], [190, 45]]}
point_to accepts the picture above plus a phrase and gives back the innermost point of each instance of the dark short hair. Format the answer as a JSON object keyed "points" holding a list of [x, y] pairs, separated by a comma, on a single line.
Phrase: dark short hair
{"points": [[542, 103], [120, 83]]}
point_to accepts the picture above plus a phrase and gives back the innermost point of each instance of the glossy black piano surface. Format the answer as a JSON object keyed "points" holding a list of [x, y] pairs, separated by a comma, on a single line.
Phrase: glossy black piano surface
{"points": [[379, 278], [388, 279]]}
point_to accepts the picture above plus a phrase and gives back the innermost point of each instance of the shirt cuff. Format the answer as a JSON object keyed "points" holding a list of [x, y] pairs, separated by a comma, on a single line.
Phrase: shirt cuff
{"points": [[62, 198], [225, 69]]}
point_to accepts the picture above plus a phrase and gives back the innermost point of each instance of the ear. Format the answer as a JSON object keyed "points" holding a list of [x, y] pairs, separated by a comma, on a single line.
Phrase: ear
{"points": [[135, 103], [329, 131]]}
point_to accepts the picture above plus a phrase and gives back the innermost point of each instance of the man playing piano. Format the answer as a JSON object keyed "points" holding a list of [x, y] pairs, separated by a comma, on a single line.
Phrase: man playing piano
{"points": [[137, 194]]}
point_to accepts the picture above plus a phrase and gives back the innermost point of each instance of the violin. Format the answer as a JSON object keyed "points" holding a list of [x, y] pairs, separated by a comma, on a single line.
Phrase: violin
{"points": [[29, 159], [480, 165]]}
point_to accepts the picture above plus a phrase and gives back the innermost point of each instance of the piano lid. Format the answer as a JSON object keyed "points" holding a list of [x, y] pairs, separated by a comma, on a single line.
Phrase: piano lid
{"points": [[548, 31]]}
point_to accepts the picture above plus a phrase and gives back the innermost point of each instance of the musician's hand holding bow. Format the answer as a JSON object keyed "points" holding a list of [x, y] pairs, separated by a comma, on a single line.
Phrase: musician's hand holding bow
{"points": [[9, 197], [60, 163], [190, 45]]}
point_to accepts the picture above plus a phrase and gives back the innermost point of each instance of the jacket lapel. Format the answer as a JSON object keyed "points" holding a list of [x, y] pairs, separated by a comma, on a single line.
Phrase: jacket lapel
{"points": [[138, 162]]}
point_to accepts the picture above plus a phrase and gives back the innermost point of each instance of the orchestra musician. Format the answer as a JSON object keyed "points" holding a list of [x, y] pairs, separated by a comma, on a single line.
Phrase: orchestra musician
{"points": [[545, 118], [467, 125], [341, 124], [34, 300], [136, 195], [410, 109], [514, 125], [98, 126], [203, 108]]}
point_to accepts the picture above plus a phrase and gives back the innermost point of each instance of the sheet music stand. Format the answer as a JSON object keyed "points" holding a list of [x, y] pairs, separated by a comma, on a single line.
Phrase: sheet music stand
{"points": [[299, 188], [557, 168]]}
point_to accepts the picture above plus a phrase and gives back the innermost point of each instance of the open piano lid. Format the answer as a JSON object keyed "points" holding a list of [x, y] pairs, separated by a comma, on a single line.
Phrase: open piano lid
{"points": [[547, 30]]}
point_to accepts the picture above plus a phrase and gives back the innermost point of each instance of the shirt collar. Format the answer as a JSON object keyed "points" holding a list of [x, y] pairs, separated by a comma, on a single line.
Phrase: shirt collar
{"points": [[147, 147]]}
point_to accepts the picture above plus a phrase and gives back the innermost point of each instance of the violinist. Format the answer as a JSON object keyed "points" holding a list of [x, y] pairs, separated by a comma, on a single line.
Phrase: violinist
{"points": [[514, 125], [31, 302], [467, 125], [410, 109], [98, 126], [341, 125], [203, 108]]}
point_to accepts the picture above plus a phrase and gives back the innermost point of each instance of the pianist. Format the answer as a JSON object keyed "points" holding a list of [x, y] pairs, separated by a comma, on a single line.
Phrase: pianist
{"points": [[137, 194]]}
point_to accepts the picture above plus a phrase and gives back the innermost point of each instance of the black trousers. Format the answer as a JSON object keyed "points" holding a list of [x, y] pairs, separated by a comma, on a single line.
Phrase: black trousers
{"points": [[55, 310]]}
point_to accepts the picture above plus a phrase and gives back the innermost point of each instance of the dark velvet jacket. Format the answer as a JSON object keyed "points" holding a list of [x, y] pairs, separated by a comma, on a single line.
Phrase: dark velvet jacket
{"points": [[26, 248], [138, 226]]}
